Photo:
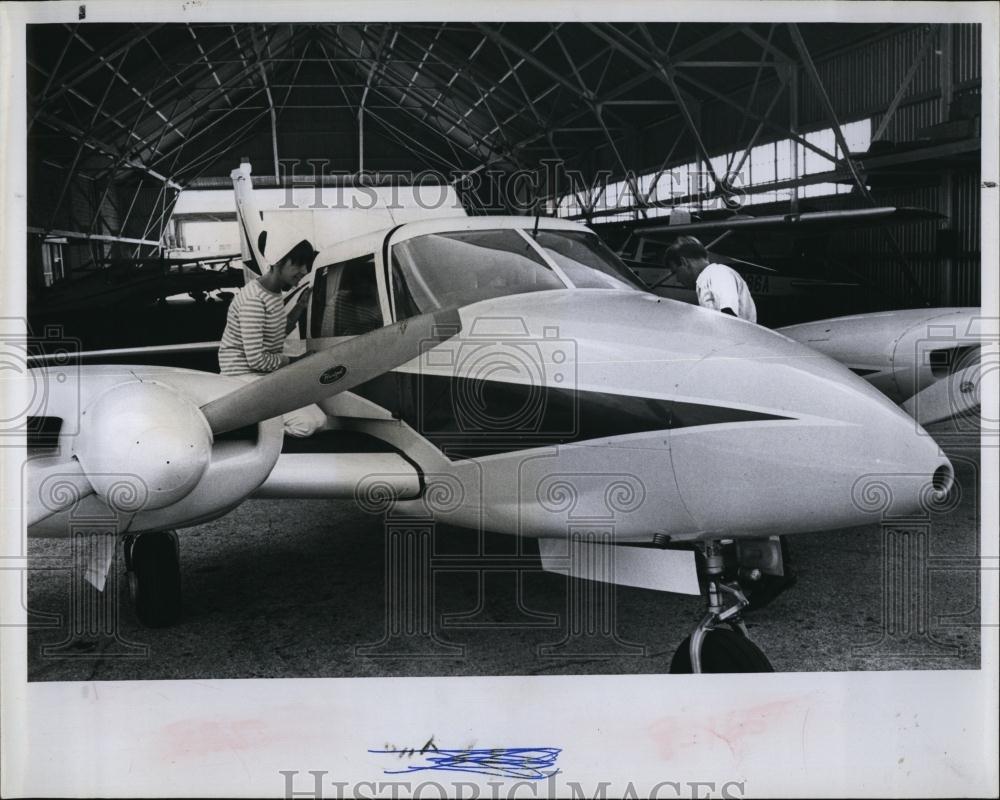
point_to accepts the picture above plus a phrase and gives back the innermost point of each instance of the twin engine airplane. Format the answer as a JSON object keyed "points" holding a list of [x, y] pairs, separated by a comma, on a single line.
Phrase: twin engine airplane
{"points": [[514, 366]]}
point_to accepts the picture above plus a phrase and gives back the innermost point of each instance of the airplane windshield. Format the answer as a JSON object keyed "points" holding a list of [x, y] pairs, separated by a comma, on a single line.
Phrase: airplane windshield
{"points": [[586, 260], [441, 270]]}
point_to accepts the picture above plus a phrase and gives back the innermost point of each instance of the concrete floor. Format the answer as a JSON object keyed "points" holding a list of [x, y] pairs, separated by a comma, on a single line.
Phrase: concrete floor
{"points": [[298, 589]]}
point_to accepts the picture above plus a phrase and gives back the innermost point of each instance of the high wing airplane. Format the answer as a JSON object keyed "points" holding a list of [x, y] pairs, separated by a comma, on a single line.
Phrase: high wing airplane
{"points": [[803, 280], [513, 366], [928, 360]]}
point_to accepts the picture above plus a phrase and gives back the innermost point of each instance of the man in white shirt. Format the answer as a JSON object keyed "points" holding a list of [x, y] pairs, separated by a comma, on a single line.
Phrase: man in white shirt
{"points": [[718, 286]]}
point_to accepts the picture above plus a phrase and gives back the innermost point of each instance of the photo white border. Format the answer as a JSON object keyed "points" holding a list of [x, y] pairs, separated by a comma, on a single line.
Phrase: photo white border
{"points": [[899, 733]]}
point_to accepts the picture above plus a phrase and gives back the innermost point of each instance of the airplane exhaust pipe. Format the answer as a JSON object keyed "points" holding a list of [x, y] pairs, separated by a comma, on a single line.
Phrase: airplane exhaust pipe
{"points": [[943, 479]]}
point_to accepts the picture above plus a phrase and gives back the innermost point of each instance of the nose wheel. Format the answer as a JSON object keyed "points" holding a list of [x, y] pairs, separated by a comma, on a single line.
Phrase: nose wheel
{"points": [[152, 563], [721, 650], [721, 642]]}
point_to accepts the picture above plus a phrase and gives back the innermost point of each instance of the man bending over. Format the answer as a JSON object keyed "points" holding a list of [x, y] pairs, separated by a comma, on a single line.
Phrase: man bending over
{"points": [[718, 286]]}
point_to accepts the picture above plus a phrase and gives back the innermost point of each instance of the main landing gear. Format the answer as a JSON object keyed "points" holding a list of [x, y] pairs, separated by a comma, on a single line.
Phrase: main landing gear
{"points": [[152, 562], [721, 642]]}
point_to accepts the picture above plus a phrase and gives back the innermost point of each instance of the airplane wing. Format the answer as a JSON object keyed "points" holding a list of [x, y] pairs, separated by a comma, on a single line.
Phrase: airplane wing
{"points": [[147, 445], [821, 221], [116, 353], [189, 355]]}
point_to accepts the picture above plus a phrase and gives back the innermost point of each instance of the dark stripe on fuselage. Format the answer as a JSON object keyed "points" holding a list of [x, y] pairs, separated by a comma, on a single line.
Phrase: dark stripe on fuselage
{"points": [[468, 418], [861, 372]]}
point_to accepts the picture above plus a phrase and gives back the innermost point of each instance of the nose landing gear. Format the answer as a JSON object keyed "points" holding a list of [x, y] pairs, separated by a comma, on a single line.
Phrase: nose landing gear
{"points": [[721, 642]]}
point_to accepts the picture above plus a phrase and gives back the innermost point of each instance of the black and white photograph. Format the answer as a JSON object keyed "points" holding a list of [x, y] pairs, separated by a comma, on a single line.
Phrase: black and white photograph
{"points": [[560, 401]]}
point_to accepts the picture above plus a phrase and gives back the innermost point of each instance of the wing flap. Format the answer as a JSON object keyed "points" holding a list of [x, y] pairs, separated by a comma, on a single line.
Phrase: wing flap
{"points": [[664, 570]]}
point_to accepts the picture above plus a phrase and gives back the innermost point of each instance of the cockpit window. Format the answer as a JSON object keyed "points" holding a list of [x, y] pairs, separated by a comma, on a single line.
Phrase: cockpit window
{"points": [[345, 299], [441, 270], [586, 260]]}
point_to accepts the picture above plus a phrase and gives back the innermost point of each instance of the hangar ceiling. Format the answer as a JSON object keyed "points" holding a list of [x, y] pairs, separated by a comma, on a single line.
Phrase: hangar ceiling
{"points": [[121, 117]]}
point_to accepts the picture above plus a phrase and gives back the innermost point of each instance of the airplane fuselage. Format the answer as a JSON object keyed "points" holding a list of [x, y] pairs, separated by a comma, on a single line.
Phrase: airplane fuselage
{"points": [[594, 400], [572, 398]]}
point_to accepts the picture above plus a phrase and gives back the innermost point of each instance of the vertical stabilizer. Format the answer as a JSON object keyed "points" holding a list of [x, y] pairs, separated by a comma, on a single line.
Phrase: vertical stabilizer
{"points": [[251, 223]]}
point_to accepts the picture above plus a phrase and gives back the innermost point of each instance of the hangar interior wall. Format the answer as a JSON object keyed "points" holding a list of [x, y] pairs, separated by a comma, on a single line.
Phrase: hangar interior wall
{"points": [[861, 82]]}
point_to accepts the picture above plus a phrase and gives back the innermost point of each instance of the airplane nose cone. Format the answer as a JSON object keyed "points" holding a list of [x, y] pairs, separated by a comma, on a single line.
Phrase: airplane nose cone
{"points": [[817, 447]]}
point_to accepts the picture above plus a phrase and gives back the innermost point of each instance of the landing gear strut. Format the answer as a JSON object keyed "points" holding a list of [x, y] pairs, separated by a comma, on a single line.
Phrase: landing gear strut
{"points": [[152, 561], [721, 642]]}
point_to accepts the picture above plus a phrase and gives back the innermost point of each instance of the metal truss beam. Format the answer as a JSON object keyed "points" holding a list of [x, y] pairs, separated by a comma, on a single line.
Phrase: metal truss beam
{"points": [[211, 67], [503, 41], [106, 62], [443, 111], [114, 50], [96, 237], [103, 148]]}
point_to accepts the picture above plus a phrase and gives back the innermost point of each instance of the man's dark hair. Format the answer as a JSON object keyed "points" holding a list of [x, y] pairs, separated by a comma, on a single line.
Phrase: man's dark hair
{"points": [[684, 247], [302, 253]]}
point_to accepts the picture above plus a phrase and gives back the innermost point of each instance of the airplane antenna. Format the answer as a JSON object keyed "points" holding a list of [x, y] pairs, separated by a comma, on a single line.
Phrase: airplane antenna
{"points": [[538, 217]]}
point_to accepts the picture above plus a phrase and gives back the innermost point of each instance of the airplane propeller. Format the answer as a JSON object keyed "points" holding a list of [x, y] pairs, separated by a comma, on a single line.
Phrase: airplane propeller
{"points": [[330, 371], [144, 445]]}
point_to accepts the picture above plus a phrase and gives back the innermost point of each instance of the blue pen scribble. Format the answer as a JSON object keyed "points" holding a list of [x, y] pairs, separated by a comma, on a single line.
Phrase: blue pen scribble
{"points": [[525, 763]]}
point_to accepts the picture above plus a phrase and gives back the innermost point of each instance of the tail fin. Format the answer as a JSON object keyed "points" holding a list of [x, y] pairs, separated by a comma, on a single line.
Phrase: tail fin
{"points": [[251, 223]]}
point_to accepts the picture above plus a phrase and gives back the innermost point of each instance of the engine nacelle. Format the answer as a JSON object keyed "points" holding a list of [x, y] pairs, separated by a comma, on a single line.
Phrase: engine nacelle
{"points": [[143, 446], [147, 450]]}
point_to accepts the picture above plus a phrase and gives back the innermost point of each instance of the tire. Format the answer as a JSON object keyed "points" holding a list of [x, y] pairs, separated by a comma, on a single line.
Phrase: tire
{"points": [[155, 578], [721, 651]]}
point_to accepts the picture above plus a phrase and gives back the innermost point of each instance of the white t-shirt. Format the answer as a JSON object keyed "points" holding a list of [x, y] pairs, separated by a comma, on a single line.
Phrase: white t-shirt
{"points": [[720, 287]]}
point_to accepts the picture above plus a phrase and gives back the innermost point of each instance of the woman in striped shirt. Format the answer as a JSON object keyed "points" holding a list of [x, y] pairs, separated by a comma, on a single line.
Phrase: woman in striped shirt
{"points": [[256, 326]]}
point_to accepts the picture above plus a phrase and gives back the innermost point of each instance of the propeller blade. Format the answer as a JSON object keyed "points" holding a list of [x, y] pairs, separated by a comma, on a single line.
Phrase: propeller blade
{"points": [[954, 396], [53, 487], [327, 372]]}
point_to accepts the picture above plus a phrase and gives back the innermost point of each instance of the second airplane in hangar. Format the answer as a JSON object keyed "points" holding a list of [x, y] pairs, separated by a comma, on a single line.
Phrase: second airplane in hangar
{"points": [[506, 374]]}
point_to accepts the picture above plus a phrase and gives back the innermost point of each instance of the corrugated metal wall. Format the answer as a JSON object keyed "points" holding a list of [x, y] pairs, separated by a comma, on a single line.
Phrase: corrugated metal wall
{"points": [[947, 266], [967, 53], [861, 83]]}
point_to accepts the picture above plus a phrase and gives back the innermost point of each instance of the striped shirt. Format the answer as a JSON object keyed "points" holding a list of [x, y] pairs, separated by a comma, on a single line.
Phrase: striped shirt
{"points": [[255, 332]]}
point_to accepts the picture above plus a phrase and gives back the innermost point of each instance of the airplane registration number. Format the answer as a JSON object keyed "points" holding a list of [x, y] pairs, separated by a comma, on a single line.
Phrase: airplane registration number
{"points": [[757, 284]]}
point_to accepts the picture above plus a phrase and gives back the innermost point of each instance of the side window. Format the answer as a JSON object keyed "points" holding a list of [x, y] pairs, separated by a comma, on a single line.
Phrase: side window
{"points": [[345, 299]]}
